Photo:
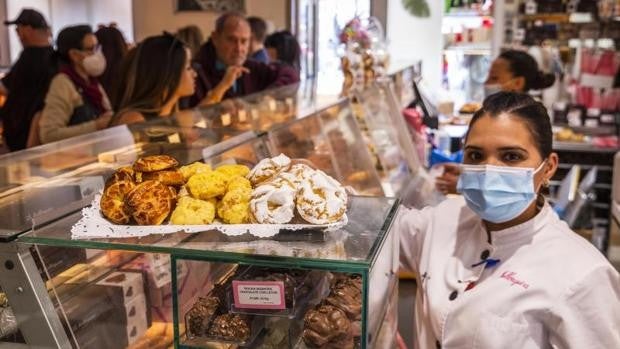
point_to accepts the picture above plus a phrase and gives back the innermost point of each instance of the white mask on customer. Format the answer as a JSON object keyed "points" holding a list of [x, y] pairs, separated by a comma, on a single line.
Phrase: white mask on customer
{"points": [[94, 65]]}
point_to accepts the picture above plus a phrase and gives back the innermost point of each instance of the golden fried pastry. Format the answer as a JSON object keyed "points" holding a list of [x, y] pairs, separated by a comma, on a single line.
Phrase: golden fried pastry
{"points": [[155, 163], [194, 168], [150, 202], [321, 199], [234, 208], [273, 204], [113, 204], [122, 174], [232, 171], [207, 185], [267, 168], [190, 211], [168, 177], [239, 182]]}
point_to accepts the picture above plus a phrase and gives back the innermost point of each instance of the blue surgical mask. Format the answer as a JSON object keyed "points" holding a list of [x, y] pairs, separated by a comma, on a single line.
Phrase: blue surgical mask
{"points": [[497, 193]]}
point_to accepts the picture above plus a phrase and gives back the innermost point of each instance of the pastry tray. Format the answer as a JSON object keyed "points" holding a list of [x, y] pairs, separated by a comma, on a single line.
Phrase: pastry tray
{"points": [[94, 225]]}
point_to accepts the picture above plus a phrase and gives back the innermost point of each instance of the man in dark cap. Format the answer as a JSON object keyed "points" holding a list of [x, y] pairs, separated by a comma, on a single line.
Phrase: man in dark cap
{"points": [[224, 70], [26, 84]]}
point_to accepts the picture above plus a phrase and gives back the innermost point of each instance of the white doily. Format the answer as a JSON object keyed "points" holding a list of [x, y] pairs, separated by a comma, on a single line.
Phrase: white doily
{"points": [[94, 225]]}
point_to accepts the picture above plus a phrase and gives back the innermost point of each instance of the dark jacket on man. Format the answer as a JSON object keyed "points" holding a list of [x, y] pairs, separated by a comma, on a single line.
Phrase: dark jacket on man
{"points": [[261, 76]]}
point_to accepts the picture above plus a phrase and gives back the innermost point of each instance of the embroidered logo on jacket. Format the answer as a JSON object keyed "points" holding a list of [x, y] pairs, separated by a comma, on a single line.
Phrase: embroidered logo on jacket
{"points": [[511, 276]]}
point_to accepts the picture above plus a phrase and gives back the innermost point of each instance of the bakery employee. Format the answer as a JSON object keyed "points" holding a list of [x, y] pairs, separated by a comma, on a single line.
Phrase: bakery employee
{"points": [[496, 267], [514, 71]]}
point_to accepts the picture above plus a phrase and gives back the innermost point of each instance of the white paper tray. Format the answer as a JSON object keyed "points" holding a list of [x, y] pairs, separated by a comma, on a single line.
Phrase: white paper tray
{"points": [[94, 225]]}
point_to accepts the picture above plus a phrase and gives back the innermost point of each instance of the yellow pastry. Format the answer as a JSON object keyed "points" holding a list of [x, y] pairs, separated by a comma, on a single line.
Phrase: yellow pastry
{"points": [[194, 168], [239, 182], [233, 170], [234, 208], [190, 211], [207, 185]]}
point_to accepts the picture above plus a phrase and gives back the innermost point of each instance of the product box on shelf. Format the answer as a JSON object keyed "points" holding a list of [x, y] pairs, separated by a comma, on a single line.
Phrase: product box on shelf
{"points": [[131, 284], [137, 315], [91, 311]]}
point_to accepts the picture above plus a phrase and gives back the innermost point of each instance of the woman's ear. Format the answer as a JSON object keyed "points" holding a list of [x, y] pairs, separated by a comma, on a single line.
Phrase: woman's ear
{"points": [[550, 167], [74, 55], [518, 84]]}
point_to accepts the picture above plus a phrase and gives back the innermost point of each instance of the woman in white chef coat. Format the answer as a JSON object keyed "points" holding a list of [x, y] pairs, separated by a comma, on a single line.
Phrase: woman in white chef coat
{"points": [[496, 267]]}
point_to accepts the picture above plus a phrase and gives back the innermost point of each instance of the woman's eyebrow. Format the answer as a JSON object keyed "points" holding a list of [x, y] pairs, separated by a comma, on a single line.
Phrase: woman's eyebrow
{"points": [[473, 147], [512, 148]]}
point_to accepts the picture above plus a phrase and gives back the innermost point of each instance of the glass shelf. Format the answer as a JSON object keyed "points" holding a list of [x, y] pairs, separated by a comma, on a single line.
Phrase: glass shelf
{"points": [[352, 246]]}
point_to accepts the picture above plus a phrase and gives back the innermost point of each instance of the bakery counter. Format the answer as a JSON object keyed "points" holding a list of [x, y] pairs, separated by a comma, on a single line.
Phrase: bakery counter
{"points": [[218, 281]]}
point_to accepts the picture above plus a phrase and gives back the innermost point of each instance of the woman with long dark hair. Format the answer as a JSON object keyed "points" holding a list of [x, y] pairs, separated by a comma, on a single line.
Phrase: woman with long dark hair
{"points": [[154, 76], [114, 48]]}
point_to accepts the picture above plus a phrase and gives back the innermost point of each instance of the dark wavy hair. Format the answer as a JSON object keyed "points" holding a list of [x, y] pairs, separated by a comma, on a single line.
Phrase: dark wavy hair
{"points": [[149, 75], [524, 107], [521, 64], [114, 48], [286, 46]]}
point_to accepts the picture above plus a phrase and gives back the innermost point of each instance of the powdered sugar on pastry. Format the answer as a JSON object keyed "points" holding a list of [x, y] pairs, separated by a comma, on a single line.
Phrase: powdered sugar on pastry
{"points": [[301, 172], [273, 204], [267, 168], [321, 199]]}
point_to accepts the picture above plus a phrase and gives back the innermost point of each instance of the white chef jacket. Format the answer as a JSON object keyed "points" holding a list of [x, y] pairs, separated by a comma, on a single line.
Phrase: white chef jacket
{"points": [[550, 289]]}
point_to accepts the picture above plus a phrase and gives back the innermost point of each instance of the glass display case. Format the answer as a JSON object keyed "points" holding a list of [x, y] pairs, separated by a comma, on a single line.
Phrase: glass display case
{"points": [[143, 292]]}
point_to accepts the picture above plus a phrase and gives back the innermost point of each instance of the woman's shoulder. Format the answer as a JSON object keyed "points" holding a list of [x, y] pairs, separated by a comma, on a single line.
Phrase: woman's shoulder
{"points": [[129, 117]]}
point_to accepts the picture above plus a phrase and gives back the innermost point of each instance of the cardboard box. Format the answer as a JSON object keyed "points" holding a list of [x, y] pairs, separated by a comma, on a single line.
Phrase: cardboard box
{"points": [[131, 284], [138, 317]]}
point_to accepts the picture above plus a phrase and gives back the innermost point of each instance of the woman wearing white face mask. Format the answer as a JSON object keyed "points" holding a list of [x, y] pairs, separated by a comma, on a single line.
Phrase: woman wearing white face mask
{"points": [[514, 71], [496, 267], [75, 103]]}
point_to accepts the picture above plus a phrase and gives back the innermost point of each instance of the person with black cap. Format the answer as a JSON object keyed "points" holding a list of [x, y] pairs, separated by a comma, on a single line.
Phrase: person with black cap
{"points": [[27, 82], [76, 103]]}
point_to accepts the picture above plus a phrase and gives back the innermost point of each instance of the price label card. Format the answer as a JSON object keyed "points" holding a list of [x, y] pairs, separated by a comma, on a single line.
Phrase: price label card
{"points": [[259, 294]]}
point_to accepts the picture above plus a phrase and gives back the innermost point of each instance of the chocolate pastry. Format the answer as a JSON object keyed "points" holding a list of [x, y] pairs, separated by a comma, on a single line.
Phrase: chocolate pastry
{"points": [[324, 324], [202, 314], [230, 327], [346, 294]]}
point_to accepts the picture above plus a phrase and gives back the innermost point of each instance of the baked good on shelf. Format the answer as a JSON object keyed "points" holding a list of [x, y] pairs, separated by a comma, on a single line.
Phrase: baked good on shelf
{"points": [[150, 202], [232, 171], [202, 314], [470, 108], [207, 185], [167, 177], [234, 208], [230, 327], [155, 163], [346, 294], [324, 324], [321, 199], [196, 167], [273, 204], [125, 173], [239, 182], [112, 202], [267, 168], [190, 211]]}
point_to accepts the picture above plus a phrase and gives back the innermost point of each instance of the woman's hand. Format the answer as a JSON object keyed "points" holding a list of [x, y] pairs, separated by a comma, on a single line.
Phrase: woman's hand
{"points": [[446, 183]]}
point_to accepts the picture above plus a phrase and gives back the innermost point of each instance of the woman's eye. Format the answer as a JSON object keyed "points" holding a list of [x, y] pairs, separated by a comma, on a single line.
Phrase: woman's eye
{"points": [[474, 156], [512, 157]]}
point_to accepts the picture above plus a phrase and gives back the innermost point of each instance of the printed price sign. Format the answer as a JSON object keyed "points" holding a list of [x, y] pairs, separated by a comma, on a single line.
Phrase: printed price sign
{"points": [[259, 294]]}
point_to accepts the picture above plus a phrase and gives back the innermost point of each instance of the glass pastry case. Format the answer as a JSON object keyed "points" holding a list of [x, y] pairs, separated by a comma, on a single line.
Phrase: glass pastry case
{"points": [[159, 290]]}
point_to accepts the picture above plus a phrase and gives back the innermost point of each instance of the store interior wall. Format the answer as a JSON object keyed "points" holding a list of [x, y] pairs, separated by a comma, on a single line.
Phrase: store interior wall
{"points": [[413, 38], [151, 17]]}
